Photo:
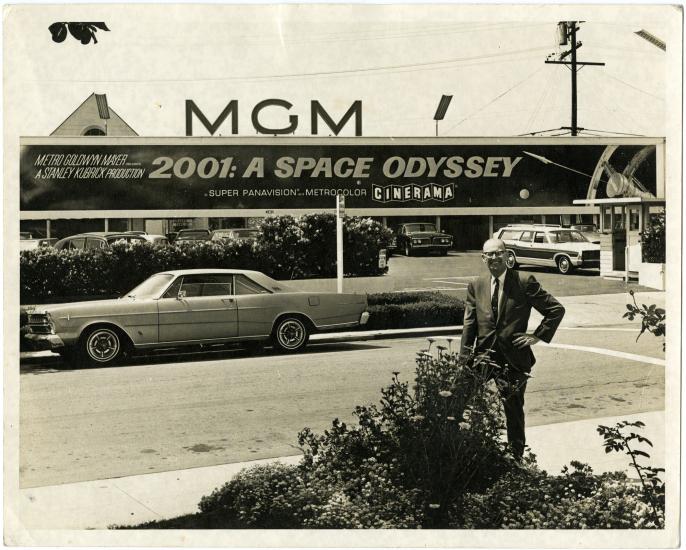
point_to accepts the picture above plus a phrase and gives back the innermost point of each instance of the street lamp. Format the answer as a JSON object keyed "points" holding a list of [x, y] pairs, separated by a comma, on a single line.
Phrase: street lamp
{"points": [[442, 108]]}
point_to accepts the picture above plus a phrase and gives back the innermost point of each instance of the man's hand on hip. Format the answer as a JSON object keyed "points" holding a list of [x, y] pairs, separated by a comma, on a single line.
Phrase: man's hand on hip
{"points": [[522, 340]]}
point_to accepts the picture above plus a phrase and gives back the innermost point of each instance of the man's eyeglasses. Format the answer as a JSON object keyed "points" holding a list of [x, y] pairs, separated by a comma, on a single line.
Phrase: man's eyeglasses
{"points": [[491, 255]]}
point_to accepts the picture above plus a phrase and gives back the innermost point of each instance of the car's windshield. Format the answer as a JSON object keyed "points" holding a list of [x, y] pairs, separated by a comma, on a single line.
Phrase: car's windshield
{"points": [[246, 232], [414, 227], [151, 287], [567, 237]]}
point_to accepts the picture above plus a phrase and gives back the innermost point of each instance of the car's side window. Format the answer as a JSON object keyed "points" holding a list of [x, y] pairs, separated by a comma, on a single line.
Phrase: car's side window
{"points": [[76, 244], [212, 285], [244, 285], [92, 244], [527, 236], [539, 238], [510, 235], [173, 290]]}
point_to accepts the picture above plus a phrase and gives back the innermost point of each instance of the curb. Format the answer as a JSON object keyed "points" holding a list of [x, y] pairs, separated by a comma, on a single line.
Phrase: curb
{"points": [[30, 357]]}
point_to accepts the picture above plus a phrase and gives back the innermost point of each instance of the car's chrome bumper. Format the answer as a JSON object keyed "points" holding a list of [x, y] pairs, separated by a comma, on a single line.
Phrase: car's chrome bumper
{"points": [[42, 342], [586, 262], [364, 318]]}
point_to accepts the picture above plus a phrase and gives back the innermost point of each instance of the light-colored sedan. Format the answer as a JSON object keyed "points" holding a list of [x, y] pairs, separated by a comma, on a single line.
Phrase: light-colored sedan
{"points": [[191, 307], [237, 234]]}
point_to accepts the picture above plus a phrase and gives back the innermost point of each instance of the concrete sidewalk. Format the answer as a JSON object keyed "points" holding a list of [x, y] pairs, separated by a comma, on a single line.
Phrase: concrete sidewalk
{"points": [[136, 499]]}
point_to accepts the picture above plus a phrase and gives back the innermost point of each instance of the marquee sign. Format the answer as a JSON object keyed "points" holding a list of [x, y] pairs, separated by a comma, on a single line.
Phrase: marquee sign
{"points": [[64, 174]]}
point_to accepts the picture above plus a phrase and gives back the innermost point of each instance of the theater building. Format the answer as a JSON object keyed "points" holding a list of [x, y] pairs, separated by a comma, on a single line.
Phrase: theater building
{"points": [[94, 173]]}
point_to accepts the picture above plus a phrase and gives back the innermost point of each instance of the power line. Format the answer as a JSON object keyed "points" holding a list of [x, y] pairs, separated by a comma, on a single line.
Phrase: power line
{"points": [[538, 132], [613, 132], [418, 66], [634, 87], [496, 98]]}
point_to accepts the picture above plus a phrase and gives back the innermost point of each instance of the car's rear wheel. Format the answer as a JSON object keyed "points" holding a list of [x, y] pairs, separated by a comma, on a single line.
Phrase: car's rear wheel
{"points": [[101, 346], [510, 259], [290, 334], [444, 252], [564, 265]]}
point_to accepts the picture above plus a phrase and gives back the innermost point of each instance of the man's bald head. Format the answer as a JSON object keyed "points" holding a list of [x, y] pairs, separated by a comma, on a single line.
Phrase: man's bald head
{"points": [[493, 245]]}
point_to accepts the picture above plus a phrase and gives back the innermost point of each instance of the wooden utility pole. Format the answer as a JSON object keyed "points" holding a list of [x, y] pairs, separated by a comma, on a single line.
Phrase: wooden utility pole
{"points": [[567, 31]]}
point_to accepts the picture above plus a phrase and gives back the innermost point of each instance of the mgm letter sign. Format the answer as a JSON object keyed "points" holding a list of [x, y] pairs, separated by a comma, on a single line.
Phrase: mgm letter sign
{"points": [[70, 174]]}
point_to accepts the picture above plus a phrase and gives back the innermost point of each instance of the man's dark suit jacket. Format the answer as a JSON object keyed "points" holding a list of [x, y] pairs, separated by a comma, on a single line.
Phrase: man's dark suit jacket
{"points": [[520, 293]]}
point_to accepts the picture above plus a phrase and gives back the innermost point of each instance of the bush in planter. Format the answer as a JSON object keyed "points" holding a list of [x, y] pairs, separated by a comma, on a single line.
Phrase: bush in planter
{"points": [[406, 463], [654, 240], [577, 499], [276, 496]]}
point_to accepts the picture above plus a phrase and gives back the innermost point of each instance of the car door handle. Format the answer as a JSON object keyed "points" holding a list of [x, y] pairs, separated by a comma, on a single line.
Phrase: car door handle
{"points": [[228, 300]]}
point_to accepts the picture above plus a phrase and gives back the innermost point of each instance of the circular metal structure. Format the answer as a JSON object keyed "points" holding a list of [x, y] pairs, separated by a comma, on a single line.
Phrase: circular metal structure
{"points": [[291, 334], [564, 265], [103, 345]]}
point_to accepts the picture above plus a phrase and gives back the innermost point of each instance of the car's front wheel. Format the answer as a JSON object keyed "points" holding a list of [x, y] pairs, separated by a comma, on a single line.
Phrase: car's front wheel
{"points": [[101, 346], [564, 265], [408, 250], [510, 259], [290, 334]]}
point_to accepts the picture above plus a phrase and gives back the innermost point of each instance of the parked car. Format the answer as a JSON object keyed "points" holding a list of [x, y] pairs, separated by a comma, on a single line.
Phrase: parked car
{"points": [[236, 234], [32, 244], [191, 307], [421, 237], [185, 235], [156, 240], [548, 245], [588, 230], [88, 241], [138, 232], [25, 235]]}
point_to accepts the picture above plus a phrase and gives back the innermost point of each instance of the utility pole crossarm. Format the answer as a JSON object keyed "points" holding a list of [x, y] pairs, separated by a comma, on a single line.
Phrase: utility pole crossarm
{"points": [[578, 63]]}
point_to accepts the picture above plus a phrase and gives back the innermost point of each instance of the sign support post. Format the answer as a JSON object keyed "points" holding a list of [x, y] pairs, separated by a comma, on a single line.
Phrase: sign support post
{"points": [[340, 212]]}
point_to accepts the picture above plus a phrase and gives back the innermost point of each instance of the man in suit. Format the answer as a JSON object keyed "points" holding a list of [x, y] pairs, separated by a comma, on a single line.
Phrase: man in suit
{"points": [[496, 317]]}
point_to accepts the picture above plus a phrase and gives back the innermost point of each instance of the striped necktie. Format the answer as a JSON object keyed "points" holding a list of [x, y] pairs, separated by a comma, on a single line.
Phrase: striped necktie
{"points": [[494, 299]]}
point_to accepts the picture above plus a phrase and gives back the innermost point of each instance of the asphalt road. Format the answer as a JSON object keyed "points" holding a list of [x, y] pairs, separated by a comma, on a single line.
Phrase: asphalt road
{"points": [[160, 414]]}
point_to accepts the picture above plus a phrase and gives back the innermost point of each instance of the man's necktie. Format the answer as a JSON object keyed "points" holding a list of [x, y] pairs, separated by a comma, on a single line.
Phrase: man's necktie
{"points": [[494, 300]]}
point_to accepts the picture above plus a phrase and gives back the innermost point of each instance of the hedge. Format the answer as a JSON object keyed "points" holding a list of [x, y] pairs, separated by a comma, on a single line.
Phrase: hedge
{"points": [[287, 248], [413, 310]]}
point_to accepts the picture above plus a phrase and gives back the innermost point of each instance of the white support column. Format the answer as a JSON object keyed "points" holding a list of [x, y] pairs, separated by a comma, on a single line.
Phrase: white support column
{"points": [[490, 227], [107, 224], [438, 223], [47, 229]]}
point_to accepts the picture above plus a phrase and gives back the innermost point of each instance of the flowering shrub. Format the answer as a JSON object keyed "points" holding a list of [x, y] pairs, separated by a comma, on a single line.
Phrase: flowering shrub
{"points": [[405, 464], [47, 274], [276, 496], [577, 499]]}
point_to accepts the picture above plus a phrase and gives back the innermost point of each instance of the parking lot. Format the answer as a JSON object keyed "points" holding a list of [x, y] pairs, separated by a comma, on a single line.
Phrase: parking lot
{"points": [[452, 273]]}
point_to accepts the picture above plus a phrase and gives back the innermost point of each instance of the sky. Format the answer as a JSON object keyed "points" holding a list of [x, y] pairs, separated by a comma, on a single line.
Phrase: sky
{"points": [[398, 60]]}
